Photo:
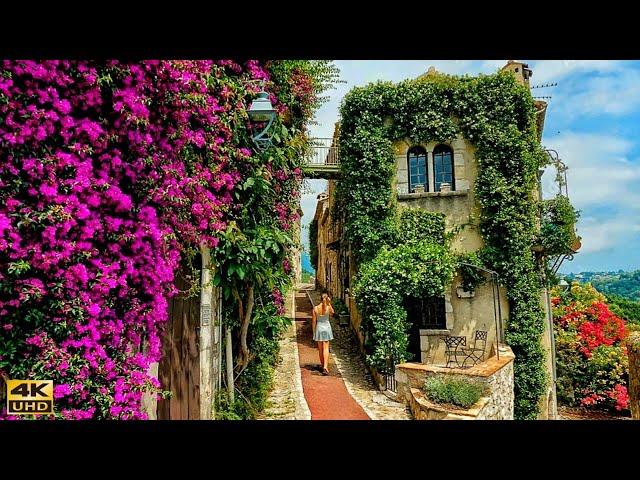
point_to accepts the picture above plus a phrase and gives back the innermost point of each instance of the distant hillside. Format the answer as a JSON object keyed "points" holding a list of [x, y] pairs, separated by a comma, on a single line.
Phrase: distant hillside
{"points": [[624, 308], [621, 288], [623, 284]]}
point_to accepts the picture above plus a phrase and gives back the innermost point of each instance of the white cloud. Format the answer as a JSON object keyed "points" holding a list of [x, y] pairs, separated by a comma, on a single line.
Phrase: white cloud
{"points": [[603, 183], [545, 71], [604, 234], [600, 172], [612, 94]]}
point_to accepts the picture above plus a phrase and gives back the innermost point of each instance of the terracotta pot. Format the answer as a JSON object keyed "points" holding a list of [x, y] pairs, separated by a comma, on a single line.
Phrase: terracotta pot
{"points": [[575, 246]]}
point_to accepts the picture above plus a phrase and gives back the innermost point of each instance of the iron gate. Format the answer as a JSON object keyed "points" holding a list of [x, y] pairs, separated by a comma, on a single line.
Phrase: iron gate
{"points": [[389, 373]]}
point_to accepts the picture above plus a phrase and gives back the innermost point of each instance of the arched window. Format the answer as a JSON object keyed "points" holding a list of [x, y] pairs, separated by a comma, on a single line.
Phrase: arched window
{"points": [[443, 166], [417, 160]]}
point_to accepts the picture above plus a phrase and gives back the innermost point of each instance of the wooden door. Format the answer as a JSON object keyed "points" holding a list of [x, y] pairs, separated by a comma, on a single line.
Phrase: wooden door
{"points": [[179, 369]]}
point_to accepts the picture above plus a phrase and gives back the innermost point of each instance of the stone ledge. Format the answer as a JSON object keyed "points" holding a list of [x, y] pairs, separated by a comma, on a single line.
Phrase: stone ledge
{"points": [[484, 369], [435, 332], [453, 193], [424, 409]]}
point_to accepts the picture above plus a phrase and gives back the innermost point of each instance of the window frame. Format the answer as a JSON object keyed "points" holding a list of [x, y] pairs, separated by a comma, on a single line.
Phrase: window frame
{"points": [[440, 150], [424, 151], [427, 305]]}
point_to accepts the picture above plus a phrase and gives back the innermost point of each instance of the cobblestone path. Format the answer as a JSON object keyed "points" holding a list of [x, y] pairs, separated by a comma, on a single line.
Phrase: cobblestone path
{"points": [[286, 400]]}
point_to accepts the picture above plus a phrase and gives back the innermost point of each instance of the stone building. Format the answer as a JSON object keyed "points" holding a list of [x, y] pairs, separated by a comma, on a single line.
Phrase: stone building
{"points": [[438, 177]]}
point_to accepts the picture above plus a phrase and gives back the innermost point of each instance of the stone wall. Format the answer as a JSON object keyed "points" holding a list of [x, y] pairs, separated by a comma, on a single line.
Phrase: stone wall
{"points": [[150, 400], [496, 373], [465, 314], [633, 347]]}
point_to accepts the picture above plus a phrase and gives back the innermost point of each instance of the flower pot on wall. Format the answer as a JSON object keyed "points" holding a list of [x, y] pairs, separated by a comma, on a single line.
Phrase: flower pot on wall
{"points": [[462, 293], [418, 189], [577, 243], [445, 187]]}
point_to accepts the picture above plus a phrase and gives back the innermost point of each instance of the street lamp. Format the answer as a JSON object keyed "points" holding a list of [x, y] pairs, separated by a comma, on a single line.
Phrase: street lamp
{"points": [[564, 286], [261, 110]]}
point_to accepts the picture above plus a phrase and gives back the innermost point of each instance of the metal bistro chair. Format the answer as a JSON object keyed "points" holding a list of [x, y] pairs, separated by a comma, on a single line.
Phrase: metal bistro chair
{"points": [[476, 354], [453, 349]]}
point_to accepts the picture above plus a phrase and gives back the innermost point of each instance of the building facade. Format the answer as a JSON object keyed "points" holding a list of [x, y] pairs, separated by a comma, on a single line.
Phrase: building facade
{"points": [[438, 177]]}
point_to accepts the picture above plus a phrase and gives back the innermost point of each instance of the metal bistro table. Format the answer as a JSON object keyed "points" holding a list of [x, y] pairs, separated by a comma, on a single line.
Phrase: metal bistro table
{"points": [[455, 350]]}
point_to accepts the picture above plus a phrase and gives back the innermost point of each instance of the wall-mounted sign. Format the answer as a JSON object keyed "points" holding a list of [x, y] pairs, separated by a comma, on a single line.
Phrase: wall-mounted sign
{"points": [[205, 315]]}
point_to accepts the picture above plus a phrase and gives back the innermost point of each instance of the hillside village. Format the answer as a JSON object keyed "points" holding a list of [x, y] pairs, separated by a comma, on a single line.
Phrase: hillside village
{"points": [[153, 264]]}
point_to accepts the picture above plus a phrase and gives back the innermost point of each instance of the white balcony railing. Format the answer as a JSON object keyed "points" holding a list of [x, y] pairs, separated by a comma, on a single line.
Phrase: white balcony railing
{"points": [[324, 153]]}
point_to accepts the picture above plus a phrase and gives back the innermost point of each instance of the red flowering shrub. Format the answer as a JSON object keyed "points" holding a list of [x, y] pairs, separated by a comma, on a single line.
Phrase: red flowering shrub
{"points": [[592, 362], [110, 172]]}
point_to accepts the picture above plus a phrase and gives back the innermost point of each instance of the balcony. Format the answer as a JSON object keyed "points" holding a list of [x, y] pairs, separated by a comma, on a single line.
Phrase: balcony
{"points": [[558, 239], [323, 159]]}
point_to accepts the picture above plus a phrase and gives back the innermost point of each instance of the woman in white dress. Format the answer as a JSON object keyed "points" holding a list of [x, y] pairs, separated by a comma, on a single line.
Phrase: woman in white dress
{"points": [[322, 332]]}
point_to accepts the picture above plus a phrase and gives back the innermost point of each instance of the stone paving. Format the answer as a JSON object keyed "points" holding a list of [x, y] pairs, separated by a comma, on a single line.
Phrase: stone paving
{"points": [[286, 400]]}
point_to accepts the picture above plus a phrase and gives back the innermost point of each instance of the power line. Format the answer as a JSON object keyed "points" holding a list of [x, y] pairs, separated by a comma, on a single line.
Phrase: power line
{"points": [[545, 85]]}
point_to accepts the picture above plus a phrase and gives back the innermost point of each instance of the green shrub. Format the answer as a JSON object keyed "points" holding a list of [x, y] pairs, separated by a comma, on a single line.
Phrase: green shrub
{"points": [[454, 389], [313, 243], [415, 269], [557, 234]]}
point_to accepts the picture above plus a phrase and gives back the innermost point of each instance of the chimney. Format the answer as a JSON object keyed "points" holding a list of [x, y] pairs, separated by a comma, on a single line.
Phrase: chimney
{"points": [[521, 71]]}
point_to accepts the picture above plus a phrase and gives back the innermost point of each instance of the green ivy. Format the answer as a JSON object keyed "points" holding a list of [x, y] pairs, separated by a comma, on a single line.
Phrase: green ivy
{"points": [[313, 243], [557, 233], [420, 268], [415, 224], [497, 115]]}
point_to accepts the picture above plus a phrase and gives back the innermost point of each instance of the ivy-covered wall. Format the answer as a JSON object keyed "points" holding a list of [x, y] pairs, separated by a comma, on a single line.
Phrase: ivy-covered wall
{"points": [[495, 114]]}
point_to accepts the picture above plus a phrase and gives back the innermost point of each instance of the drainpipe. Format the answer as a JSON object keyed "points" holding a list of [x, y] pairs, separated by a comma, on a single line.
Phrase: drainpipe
{"points": [[552, 339], [553, 354]]}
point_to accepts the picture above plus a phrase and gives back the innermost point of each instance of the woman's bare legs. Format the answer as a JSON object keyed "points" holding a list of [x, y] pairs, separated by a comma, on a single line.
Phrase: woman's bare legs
{"points": [[325, 354], [321, 353]]}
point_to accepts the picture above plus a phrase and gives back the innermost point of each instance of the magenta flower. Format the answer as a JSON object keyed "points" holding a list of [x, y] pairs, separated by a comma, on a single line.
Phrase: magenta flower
{"points": [[109, 172]]}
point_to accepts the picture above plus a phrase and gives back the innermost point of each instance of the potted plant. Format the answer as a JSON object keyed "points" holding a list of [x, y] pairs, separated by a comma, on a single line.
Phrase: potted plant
{"points": [[418, 189]]}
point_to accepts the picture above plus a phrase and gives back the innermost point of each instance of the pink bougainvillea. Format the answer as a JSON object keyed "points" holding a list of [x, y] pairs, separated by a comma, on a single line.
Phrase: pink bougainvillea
{"points": [[107, 171]]}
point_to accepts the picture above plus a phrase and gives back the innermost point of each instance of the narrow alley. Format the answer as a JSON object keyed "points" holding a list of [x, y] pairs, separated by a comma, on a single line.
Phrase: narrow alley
{"points": [[327, 396], [302, 392]]}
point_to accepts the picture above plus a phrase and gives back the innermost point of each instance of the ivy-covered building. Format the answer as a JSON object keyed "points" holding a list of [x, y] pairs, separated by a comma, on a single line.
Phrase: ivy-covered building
{"points": [[450, 163]]}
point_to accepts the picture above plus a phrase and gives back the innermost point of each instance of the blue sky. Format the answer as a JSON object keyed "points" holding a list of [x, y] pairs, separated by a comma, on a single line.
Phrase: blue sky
{"points": [[593, 121]]}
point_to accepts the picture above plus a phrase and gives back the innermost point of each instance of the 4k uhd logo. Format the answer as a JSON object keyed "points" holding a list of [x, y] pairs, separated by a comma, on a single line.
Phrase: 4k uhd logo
{"points": [[29, 397]]}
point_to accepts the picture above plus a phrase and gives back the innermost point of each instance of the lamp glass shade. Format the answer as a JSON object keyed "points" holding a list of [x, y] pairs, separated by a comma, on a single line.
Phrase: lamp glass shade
{"points": [[261, 109]]}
